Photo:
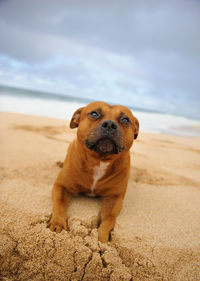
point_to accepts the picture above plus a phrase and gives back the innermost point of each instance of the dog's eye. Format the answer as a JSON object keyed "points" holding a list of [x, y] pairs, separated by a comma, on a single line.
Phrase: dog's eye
{"points": [[94, 114], [125, 120]]}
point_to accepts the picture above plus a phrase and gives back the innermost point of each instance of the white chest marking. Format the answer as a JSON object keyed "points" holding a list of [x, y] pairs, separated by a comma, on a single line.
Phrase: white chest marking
{"points": [[99, 172]]}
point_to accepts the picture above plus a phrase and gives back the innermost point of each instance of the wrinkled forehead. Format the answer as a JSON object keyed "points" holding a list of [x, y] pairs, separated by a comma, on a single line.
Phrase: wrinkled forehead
{"points": [[108, 111]]}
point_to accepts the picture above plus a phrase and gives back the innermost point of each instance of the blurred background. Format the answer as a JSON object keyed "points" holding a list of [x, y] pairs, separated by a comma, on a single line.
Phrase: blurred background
{"points": [[58, 55]]}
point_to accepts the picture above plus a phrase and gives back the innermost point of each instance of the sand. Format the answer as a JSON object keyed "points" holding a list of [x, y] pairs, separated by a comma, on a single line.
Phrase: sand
{"points": [[157, 234]]}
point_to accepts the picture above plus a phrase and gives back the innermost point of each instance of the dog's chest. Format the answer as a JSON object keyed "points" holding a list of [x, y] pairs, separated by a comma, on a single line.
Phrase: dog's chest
{"points": [[99, 172]]}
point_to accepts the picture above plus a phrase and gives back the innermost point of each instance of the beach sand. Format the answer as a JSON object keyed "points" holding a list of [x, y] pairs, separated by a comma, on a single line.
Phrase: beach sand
{"points": [[157, 234]]}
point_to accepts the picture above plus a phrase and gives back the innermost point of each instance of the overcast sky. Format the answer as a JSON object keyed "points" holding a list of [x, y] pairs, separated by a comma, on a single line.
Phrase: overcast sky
{"points": [[139, 53]]}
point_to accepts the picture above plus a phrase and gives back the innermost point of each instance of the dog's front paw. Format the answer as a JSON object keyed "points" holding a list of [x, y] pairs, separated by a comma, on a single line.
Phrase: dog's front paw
{"points": [[103, 235], [57, 224]]}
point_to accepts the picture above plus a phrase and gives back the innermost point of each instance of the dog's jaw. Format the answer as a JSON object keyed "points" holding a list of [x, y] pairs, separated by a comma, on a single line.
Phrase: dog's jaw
{"points": [[104, 146]]}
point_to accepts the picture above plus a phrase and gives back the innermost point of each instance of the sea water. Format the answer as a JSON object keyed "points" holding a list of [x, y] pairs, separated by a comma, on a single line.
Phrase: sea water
{"points": [[62, 107]]}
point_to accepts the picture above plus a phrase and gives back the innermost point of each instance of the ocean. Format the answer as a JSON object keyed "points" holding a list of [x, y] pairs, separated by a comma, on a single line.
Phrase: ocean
{"points": [[60, 106]]}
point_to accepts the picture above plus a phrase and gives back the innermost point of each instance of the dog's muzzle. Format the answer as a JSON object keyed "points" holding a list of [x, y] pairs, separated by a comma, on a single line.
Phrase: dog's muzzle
{"points": [[105, 139]]}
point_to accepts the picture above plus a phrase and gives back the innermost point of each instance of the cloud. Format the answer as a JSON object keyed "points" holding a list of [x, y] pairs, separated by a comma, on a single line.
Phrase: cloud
{"points": [[145, 51], [133, 26]]}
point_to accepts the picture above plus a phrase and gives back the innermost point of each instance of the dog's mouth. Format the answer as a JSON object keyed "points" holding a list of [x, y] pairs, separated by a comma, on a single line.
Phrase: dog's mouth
{"points": [[104, 146]]}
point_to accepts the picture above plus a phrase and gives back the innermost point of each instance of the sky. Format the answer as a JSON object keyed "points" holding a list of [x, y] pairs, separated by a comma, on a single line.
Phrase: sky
{"points": [[140, 53]]}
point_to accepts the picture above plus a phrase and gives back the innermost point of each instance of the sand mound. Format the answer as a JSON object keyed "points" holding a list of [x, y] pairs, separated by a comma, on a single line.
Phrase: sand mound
{"points": [[156, 237]]}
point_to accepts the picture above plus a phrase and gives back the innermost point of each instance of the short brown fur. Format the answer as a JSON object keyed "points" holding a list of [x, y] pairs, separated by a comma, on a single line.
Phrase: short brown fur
{"points": [[77, 172]]}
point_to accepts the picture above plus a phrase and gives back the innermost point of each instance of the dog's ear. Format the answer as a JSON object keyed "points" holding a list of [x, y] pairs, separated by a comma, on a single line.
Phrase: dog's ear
{"points": [[76, 118], [136, 127]]}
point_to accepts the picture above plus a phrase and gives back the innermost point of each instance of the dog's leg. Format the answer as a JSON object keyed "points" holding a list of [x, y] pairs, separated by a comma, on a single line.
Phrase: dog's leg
{"points": [[61, 199], [111, 207]]}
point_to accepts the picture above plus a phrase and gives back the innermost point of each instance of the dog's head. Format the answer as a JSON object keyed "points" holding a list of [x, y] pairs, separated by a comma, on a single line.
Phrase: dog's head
{"points": [[105, 129]]}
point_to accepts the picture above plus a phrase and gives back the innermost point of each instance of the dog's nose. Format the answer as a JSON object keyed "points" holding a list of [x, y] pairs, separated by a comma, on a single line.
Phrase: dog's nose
{"points": [[109, 125]]}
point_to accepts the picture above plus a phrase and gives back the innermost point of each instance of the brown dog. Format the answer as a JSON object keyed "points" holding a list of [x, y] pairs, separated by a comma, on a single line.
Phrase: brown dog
{"points": [[97, 163]]}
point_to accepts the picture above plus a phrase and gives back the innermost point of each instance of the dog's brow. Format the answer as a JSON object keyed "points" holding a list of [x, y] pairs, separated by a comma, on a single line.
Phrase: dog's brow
{"points": [[122, 114], [97, 109]]}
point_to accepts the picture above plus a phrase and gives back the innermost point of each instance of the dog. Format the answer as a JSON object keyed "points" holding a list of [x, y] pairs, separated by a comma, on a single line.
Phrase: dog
{"points": [[97, 163]]}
